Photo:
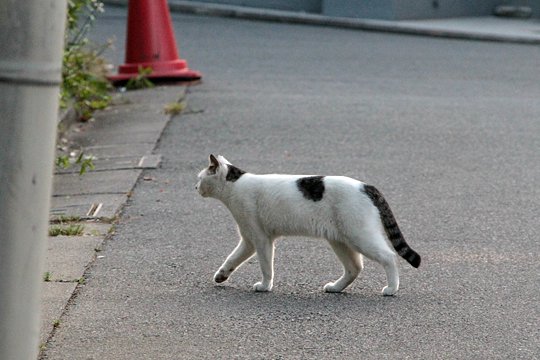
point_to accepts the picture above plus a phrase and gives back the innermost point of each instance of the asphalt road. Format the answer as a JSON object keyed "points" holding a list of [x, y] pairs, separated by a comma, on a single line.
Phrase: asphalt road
{"points": [[448, 130]]}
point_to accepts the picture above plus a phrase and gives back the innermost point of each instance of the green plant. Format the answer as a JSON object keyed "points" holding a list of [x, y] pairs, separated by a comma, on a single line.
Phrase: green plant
{"points": [[76, 10], [62, 162], [47, 276], [175, 108], [56, 323], [85, 162], [84, 80], [66, 230], [140, 81], [83, 71]]}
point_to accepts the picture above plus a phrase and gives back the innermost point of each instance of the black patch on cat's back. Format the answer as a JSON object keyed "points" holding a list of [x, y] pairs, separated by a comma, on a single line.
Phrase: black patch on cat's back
{"points": [[311, 187], [234, 173]]}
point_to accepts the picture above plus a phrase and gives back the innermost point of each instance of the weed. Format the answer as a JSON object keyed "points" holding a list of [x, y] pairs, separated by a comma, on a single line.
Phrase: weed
{"points": [[83, 81], [56, 323], [47, 276], [83, 69], [62, 162], [141, 80], [66, 230], [84, 162], [175, 108]]}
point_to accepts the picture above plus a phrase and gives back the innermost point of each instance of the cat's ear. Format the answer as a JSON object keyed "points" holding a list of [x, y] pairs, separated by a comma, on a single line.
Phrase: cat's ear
{"points": [[213, 161], [222, 160]]}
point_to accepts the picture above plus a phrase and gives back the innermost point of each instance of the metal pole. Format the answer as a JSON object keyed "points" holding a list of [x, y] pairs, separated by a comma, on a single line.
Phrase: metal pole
{"points": [[31, 42]]}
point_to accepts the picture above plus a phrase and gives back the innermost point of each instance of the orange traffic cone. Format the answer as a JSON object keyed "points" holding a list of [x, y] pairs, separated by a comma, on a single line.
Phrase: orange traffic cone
{"points": [[150, 43]]}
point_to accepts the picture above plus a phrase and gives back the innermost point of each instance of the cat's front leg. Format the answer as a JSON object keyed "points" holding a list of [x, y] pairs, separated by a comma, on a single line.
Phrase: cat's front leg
{"points": [[243, 251], [265, 254]]}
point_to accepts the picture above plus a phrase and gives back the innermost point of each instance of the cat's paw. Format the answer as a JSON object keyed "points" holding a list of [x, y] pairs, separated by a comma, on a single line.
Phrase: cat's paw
{"points": [[220, 276], [261, 287], [388, 291], [332, 288]]}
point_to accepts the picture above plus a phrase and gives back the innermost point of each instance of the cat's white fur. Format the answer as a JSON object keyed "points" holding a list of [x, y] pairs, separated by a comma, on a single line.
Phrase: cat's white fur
{"points": [[266, 207]]}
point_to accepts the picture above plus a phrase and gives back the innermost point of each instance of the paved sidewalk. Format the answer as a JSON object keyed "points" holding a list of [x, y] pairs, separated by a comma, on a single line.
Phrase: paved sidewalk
{"points": [[121, 140]]}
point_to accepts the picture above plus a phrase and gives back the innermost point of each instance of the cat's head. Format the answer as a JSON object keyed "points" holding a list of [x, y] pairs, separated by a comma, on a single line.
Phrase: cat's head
{"points": [[213, 179]]}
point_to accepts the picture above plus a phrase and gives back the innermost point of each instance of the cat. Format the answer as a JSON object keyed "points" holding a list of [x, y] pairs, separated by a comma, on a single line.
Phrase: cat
{"points": [[349, 214]]}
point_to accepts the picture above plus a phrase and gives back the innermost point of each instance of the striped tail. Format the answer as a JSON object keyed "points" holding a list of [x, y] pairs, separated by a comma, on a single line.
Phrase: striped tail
{"points": [[391, 227]]}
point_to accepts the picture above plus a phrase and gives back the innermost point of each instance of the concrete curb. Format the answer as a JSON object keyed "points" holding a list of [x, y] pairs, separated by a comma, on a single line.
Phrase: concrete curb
{"points": [[408, 28]]}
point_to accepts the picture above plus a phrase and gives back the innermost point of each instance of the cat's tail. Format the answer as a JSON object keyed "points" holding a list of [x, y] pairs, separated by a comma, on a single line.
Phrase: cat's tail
{"points": [[391, 227]]}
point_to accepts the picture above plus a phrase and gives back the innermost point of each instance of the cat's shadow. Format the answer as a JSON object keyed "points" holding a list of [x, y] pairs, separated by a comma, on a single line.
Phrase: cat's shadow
{"points": [[300, 301]]}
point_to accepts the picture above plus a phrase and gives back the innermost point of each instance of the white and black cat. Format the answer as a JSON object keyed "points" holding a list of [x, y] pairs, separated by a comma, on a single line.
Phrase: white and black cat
{"points": [[354, 217]]}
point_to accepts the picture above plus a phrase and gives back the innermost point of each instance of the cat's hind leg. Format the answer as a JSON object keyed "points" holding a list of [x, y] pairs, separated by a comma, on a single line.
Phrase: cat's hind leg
{"points": [[377, 249], [392, 275], [243, 251], [352, 265]]}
